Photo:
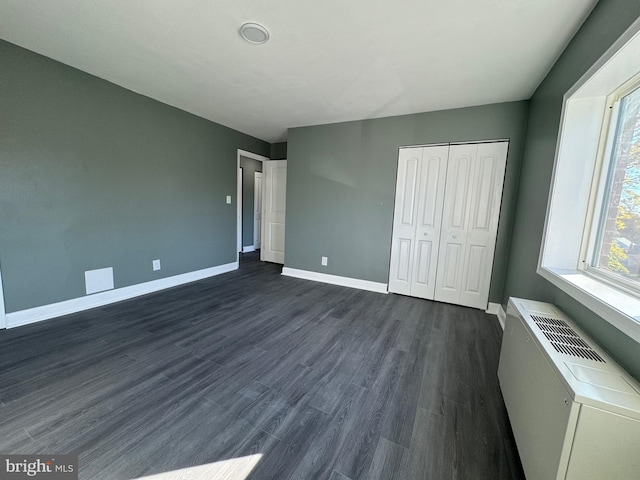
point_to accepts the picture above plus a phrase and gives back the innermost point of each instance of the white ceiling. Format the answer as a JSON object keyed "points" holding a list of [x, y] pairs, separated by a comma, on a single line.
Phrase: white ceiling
{"points": [[327, 61]]}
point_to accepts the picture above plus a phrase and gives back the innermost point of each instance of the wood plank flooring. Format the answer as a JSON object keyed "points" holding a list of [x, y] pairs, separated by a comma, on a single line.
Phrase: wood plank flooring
{"points": [[316, 381]]}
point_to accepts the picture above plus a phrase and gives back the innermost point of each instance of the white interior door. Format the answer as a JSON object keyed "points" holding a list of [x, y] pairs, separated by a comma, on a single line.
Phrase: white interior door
{"points": [[274, 210], [417, 219], [257, 208], [473, 191]]}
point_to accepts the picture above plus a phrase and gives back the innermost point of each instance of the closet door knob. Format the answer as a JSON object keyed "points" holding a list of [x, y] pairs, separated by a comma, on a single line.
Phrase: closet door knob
{"points": [[454, 236], [426, 234]]}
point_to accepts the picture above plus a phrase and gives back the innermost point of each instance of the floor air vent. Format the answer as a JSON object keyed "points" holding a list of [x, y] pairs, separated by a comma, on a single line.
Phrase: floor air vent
{"points": [[564, 338]]}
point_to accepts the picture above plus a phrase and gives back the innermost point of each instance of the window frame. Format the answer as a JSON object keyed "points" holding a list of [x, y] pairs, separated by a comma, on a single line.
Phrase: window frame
{"points": [[600, 186], [576, 193]]}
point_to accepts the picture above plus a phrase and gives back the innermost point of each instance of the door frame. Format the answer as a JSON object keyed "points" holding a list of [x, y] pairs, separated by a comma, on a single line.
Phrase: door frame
{"points": [[257, 234], [240, 202], [253, 156]]}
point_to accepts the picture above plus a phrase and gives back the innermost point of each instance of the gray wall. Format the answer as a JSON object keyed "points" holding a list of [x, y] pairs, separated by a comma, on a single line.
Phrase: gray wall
{"points": [[93, 175], [279, 151], [606, 23], [341, 186], [249, 167]]}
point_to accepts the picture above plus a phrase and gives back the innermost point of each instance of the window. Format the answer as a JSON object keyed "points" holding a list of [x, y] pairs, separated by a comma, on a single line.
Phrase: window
{"points": [[591, 242], [615, 253]]}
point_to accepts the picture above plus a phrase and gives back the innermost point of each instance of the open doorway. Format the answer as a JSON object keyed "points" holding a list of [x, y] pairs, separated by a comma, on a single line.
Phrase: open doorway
{"points": [[249, 201]]}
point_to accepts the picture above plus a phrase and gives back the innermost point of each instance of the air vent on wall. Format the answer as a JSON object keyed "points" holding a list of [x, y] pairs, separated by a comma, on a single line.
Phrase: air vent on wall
{"points": [[564, 338]]}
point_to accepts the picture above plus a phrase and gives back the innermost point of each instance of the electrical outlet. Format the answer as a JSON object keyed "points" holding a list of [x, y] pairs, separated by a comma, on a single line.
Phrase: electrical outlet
{"points": [[325, 261], [229, 199], [156, 265]]}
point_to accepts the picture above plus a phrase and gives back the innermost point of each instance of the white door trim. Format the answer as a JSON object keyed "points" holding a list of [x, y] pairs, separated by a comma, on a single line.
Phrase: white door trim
{"points": [[239, 212], [3, 313], [257, 210], [254, 156]]}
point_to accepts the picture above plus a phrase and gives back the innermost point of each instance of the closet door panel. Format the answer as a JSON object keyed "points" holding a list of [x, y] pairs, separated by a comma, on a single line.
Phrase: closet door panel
{"points": [[486, 194], [404, 220], [455, 217], [429, 212], [448, 277], [404, 259], [434, 171], [457, 187], [423, 263], [474, 265]]}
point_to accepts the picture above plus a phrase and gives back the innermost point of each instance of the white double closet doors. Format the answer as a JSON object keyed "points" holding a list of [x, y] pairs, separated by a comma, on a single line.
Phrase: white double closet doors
{"points": [[446, 220]]}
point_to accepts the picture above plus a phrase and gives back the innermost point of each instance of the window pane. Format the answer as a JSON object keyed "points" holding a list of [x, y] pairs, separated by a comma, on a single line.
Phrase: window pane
{"points": [[618, 249]]}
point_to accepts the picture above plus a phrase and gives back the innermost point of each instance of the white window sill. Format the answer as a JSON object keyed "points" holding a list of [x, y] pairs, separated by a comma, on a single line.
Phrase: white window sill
{"points": [[618, 308]]}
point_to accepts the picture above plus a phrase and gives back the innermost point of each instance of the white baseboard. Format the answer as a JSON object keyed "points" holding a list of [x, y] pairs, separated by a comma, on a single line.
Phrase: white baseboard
{"points": [[336, 280], [250, 248], [46, 312], [493, 308], [496, 309], [502, 317]]}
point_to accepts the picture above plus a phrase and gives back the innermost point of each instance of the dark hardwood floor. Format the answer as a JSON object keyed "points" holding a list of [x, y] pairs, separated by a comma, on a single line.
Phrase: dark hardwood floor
{"points": [[324, 382]]}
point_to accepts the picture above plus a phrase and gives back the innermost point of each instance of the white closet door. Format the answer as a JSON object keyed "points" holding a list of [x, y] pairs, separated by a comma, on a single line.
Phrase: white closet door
{"points": [[417, 217], [473, 193], [404, 220], [454, 222], [482, 228], [428, 220]]}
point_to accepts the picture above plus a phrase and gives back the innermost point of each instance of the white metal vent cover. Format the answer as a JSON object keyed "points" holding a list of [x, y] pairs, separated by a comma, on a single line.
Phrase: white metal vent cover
{"points": [[564, 339], [572, 417]]}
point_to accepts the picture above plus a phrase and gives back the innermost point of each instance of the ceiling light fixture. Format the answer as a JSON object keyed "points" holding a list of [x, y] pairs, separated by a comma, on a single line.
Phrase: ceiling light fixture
{"points": [[254, 33]]}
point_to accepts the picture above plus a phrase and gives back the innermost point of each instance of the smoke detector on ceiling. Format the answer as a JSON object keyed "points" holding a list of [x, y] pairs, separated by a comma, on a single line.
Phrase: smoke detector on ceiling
{"points": [[254, 33]]}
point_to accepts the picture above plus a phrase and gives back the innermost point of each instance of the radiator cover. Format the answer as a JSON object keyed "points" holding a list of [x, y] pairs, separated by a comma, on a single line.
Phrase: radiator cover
{"points": [[575, 413]]}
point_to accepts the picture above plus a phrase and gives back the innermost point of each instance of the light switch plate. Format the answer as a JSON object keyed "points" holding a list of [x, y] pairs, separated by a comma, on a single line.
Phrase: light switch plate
{"points": [[325, 261], [156, 265], [229, 199]]}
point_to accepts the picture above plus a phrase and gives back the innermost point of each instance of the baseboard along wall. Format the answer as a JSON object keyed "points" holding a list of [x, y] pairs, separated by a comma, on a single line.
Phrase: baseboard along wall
{"points": [[336, 280], [74, 305]]}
